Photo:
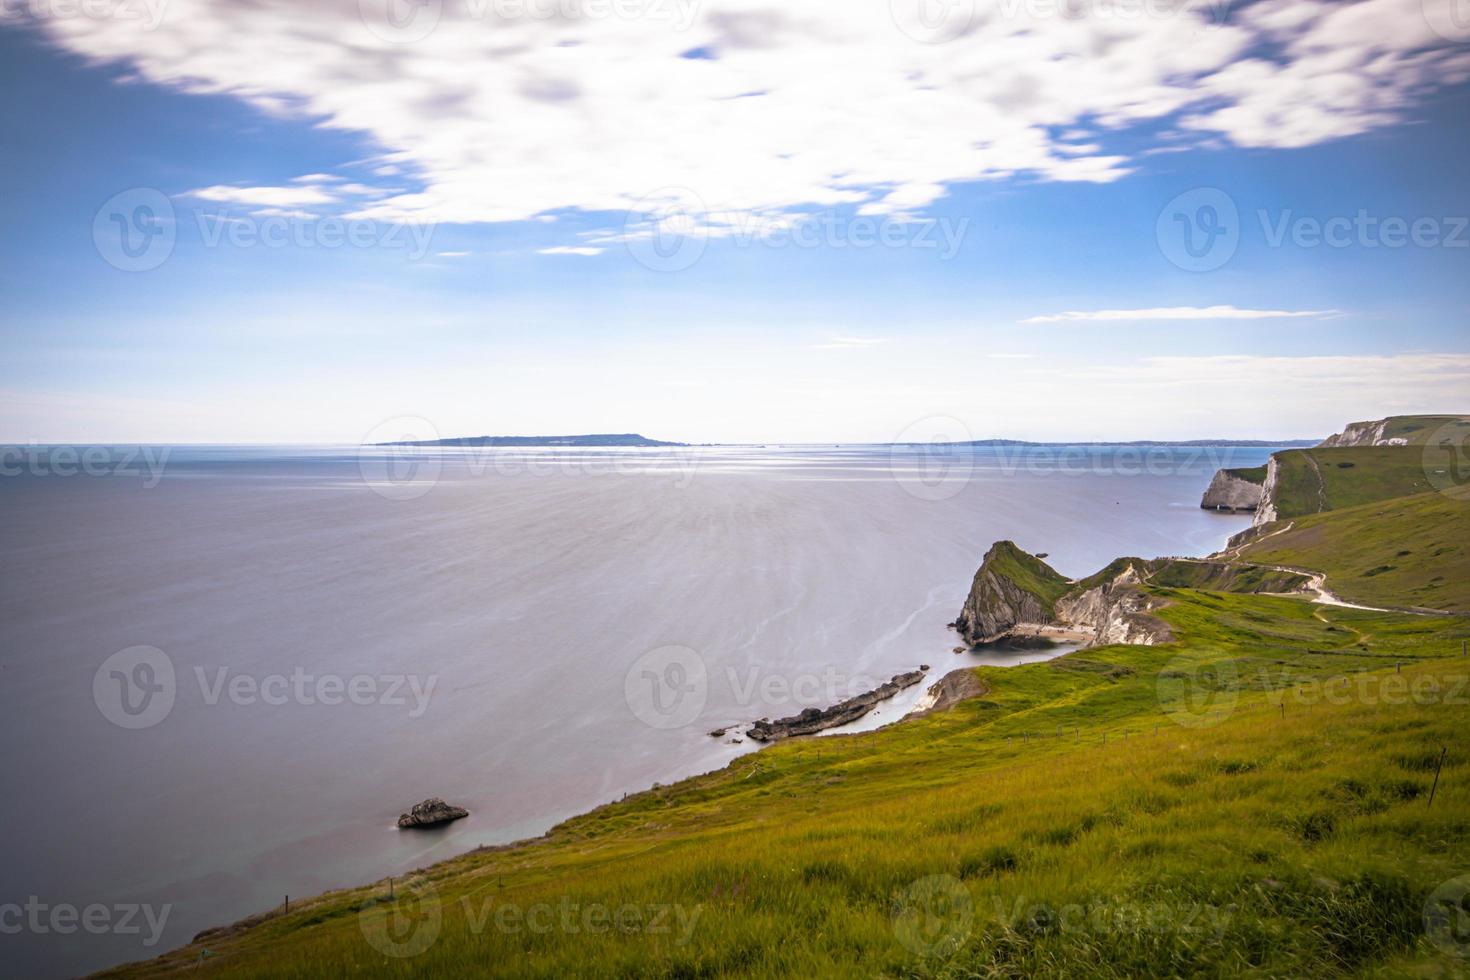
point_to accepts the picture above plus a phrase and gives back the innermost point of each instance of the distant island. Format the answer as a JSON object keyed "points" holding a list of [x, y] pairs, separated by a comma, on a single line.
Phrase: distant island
{"points": [[605, 439], [634, 439]]}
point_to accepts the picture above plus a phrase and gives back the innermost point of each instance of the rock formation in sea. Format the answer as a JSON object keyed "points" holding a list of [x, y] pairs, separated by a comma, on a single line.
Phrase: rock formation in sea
{"points": [[813, 720], [430, 813]]}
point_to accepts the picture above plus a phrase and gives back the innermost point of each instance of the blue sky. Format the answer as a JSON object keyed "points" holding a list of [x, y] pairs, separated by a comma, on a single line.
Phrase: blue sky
{"points": [[506, 280]]}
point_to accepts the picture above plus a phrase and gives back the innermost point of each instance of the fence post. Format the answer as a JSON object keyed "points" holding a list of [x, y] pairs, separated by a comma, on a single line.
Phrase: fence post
{"points": [[1437, 766]]}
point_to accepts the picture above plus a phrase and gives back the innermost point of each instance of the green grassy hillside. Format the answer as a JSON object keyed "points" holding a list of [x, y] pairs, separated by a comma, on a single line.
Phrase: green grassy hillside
{"points": [[1252, 798], [1413, 551], [1312, 481], [1420, 429], [1203, 808]]}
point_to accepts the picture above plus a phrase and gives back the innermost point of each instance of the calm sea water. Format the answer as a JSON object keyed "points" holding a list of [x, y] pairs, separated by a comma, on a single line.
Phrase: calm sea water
{"points": [[225, 671]]}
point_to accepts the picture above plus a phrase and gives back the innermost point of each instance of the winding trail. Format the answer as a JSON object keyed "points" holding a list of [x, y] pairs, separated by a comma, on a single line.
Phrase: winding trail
{"points": [[1316, 583]]}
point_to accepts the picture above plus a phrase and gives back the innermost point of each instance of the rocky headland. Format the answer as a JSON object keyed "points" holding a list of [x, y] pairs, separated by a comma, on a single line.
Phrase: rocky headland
{"points": [[1016, 595]]}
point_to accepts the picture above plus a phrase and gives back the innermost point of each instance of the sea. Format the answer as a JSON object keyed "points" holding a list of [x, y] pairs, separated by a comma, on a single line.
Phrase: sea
{"points": [[226, 670]]}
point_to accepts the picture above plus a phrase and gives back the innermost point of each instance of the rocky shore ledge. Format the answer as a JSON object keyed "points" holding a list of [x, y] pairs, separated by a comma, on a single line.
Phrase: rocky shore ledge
{"points": [[813, 720]]}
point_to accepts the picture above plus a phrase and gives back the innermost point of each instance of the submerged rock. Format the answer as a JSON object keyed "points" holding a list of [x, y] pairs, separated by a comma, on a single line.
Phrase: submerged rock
{"points": [[430, 813]]}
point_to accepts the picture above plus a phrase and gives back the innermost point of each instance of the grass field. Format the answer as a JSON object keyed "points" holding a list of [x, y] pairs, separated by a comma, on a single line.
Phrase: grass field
{"points": [[1201, 808], [1411, 551], [1311, 481]]}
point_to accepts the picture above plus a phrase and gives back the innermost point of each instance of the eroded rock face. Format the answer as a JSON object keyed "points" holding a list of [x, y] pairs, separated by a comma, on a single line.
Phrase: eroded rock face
{"points": [[1227, 491], [1116, 611], [1000, 600], [1363, 434], [430, 813], [948, 691], [1266, 512]]}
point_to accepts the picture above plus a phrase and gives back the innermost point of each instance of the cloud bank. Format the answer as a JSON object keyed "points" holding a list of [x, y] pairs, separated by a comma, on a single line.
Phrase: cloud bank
{"points": [[505, 110]]}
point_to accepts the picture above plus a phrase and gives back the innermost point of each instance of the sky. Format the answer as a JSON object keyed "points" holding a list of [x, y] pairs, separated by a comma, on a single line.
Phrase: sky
{"points": [[731, 220]]}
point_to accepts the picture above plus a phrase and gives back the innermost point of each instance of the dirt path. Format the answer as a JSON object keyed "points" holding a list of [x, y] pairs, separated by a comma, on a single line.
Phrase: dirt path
{"points": [[1321, 484]]}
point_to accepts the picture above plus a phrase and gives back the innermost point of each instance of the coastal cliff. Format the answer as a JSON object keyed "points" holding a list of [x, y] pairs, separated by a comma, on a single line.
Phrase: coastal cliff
{"points": [[1235, 490], [1364, 434], [1016, 595], [1011, 589]]}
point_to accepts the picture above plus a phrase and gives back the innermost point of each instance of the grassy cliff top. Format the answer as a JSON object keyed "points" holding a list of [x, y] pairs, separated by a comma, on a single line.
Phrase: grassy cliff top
{"points": [[1251, 474], [1419, 429], [1027, 571], [1311, 481]]}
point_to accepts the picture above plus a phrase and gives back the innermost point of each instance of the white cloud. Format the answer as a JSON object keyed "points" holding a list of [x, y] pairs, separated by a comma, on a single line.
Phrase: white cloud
{"points": [[1182, 313], [571, 250], [802, 106], [451, 255], [280, 197], [850, 343]]}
